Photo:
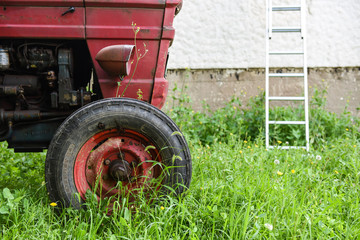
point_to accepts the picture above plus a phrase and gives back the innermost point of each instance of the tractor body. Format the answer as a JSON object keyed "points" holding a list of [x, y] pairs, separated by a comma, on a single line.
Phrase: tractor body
{"points": [[57, 56]]}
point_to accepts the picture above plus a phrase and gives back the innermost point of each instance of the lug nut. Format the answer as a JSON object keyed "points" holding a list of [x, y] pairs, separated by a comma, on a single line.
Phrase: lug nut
{"points": [[107, 162], [101, 125]]}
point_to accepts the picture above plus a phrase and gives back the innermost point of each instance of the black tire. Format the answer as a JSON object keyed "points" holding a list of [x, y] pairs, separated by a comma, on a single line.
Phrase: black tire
{"points": [[120, 115]]}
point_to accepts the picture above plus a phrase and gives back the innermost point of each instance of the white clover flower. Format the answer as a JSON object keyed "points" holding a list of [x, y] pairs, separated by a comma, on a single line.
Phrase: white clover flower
{"points": [[318, 157], [269, 226], [277, 162]]}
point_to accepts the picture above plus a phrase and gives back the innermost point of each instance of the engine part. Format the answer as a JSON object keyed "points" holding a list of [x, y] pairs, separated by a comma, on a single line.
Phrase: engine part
{"points": [[10, 90], [65, 81], [30, 84], [54, 100], [28, 115], [4, 59], [39, 59], [32, 136], [51, 78]]}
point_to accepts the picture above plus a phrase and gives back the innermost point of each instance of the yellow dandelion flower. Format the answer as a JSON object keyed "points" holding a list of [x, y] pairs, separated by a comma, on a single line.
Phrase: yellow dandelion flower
{"points": [[171, 110], [256, 145], [354, 146], [279, 142], [245, 141], [201, 188], [248, 147], [219, 142], [208, 147], [240, 151], [311, 162], [198, 157], [234, 107], [200, 122], [231, 134], [347, 129], [162, 208], [280, 173], [53, 204], [336, 172], [293, 171]]}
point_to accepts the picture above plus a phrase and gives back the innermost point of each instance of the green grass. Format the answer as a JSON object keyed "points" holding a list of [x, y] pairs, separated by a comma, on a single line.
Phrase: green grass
{"points": [[235, 191], [238, 191]]}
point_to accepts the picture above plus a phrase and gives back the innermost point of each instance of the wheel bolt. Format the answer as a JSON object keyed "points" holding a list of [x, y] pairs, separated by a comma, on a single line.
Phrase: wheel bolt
{"points": [[107, 162], [101, 126]]}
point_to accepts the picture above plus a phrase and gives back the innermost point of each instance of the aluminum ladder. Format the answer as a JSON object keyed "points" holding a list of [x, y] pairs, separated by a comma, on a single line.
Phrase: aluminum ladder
{"points": [[270, 29]]}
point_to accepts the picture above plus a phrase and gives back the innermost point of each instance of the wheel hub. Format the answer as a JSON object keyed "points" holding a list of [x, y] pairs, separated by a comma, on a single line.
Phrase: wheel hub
{"points": [[115, 165], [120, 170]]}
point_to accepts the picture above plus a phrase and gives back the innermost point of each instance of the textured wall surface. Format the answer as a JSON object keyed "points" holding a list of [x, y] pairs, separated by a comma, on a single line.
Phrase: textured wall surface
{"points": [[216, 87], [231, 34]]}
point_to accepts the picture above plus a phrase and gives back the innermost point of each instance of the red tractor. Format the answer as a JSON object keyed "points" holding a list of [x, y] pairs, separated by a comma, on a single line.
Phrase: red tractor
{"points": [[85, 79]]}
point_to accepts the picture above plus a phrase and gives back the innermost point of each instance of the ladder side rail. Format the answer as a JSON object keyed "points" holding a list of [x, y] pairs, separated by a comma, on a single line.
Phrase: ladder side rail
{"points": [[268, 36], [306, 91]]}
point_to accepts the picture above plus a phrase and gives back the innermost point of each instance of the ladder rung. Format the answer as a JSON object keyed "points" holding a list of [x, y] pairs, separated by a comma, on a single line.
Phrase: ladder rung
{"points": [[285, 53], [287, 8], [287, 98], [287, 147], [286, 74], [288, 122], [286, 29]]}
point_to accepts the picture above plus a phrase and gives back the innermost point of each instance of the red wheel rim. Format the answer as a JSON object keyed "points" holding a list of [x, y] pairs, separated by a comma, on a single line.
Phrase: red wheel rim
{"points": [[93, 165]]}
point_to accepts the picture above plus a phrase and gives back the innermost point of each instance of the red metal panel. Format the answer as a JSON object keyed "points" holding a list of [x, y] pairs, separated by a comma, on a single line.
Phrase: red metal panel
{"points": [[126, 3], [109, 22], [41, 22], [142, 78], [117, 23], [47, 3], [113, 26], [161, 85]]}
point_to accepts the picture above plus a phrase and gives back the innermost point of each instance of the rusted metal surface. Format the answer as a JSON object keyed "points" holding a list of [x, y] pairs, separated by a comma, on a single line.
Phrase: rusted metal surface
{"points": [[110, 158], [28, 115]]}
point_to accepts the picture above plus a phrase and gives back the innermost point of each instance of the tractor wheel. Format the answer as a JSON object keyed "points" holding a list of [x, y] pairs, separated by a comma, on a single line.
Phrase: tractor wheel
{"points": [[116, 147]]}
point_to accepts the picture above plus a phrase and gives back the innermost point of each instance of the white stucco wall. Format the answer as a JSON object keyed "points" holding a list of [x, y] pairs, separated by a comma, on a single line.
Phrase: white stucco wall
{"points": [[231, 34]]}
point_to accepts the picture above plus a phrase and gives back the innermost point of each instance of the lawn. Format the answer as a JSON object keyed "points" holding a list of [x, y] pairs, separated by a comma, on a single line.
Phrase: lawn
{"points": [[239, 190]]}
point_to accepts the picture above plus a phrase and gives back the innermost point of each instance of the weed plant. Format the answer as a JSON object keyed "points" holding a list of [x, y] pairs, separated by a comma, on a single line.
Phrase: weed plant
{"points": [[248, 122], [239, 190]]}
